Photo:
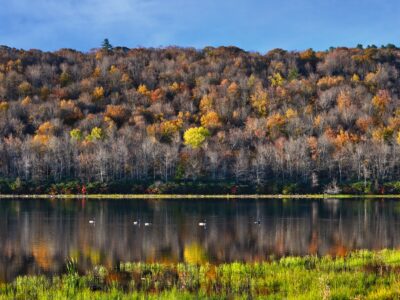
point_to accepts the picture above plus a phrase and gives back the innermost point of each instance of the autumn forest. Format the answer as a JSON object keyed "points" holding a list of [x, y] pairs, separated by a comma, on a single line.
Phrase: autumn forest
{"points": [[220, 120]]}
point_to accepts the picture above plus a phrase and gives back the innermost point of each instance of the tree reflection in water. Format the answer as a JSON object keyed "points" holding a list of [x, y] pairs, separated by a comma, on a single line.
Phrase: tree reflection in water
{"points": [[38, 236]]}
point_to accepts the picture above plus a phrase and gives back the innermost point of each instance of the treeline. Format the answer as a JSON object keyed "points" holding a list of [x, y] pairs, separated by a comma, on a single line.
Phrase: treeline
{"points": [[152, 119]]}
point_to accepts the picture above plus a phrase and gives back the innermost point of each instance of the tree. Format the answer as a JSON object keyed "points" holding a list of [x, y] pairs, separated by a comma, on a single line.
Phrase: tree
{"points": [[381, 100], [96, 134], [106, 46], [259, 101], [4, 106], [142, 89], [70, 112], [117, 113], [210, 120], [276, 80], [76, 134], [98, 93], [286, 116], [195, 136]]}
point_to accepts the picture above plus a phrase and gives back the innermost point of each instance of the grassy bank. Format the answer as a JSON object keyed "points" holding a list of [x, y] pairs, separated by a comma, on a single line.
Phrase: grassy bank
{"points": [[360, 275]]}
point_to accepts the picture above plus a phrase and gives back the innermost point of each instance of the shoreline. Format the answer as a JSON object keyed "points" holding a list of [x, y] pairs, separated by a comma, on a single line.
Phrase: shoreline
{"points": [[194, 196]]}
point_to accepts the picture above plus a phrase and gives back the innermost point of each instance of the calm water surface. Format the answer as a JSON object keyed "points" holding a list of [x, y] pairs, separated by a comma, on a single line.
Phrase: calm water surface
{"points": [[38, 236]]}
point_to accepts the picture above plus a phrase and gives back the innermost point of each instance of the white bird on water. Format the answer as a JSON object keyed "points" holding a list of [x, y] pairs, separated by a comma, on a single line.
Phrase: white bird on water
{"points": [[203, 224], [92, 222], [136, 223], [147, 224]]}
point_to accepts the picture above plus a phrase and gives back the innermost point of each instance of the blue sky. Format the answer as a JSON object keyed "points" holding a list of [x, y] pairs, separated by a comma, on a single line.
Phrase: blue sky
{"points": [[253, 25]]}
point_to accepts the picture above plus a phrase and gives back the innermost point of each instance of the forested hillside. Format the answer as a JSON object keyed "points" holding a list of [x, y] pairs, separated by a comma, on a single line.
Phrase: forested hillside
{"points": [[152, 120]]}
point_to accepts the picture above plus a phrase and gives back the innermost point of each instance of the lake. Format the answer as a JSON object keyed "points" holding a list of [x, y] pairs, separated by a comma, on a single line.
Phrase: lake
{"points": [[38, 236]]}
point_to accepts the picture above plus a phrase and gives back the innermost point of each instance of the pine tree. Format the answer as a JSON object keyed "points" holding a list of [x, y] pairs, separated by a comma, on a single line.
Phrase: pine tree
{"points": [[106, 46]]}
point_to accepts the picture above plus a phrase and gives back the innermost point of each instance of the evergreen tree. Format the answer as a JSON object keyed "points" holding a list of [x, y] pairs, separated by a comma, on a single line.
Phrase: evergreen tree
{"points": [[106, 46]]}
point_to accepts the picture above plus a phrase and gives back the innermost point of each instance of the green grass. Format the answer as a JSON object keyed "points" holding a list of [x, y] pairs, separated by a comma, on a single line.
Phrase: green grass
{"points": [[195, 196], [359, 275]]}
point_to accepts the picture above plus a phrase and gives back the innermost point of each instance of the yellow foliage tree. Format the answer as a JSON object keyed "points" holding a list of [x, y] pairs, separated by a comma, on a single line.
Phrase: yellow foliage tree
{"points": [[233, 89], [168, 128], [98, 93], [97, 72], [276, 121], [43, 133], [355, 78], [45, 128], [370, 78], [291, 113], [65, 78], [96, 134], [394, 122], [174, 87], [195, 136], [329, 81], [382, 134], [4, 106], [343, 101], [381, 100], [259, 101], [76, 134], [308, 55], [69, 111], [142, 89], [125, 78], [26, 101], [210, 120], [113, 70], [251, 81], [117, 113], [317, 120], [99, 55], [276, 80], [344, 137], [206, 103], [25, 88]]}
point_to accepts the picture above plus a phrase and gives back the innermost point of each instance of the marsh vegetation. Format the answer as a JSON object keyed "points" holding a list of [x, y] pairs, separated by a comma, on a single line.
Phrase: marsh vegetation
{"points": [[358, 275]]}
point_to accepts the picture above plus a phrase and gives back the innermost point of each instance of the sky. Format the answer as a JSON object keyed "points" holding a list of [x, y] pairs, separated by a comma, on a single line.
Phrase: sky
{"points": [[253, 25]]}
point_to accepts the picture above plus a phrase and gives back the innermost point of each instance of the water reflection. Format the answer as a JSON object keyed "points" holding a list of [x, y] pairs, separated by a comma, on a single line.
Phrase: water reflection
{"points": [[37, 236]]}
